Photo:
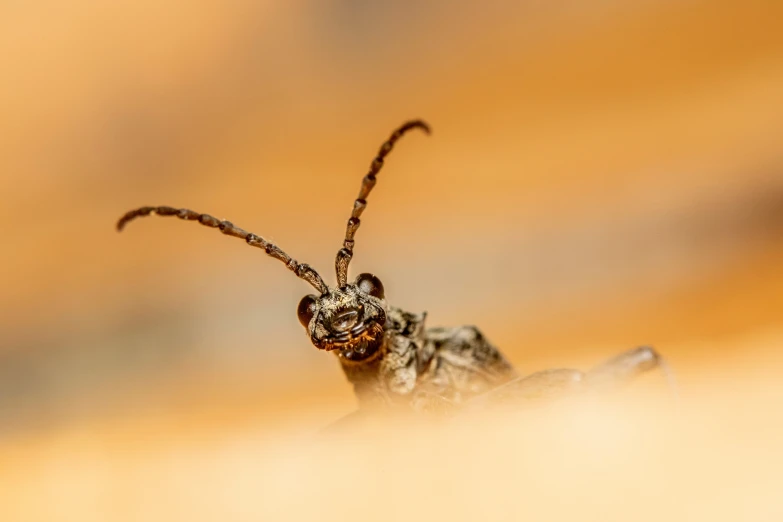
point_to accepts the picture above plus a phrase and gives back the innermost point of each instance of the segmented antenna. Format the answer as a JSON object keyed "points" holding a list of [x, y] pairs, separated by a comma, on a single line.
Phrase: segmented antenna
{"points": [[300, 269], [346, 252]]}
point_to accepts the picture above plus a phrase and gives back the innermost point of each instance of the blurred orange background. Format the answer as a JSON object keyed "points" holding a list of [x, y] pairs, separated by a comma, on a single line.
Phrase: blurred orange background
{"points": [[601, 175]]}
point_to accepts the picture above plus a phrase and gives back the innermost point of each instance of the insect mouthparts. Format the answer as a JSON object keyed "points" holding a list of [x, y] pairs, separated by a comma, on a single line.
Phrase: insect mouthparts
{"points": [[345, 321]]}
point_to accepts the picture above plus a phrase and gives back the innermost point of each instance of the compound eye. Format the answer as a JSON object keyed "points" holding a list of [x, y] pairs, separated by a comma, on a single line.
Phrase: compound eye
{"points": [[371, 285], [306, 309]]}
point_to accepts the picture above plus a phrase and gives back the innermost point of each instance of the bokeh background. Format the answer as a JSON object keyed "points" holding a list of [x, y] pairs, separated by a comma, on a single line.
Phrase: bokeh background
{"points": [[602, 174]]}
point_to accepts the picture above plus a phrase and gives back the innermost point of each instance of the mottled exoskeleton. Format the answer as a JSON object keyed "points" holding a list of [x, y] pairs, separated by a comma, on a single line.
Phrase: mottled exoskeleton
{"points": [[389, 355]]}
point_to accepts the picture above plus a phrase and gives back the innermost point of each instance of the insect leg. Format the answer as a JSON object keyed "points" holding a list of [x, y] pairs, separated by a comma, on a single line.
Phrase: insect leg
{"points": [[540, 385], [551, 384], [624, 367]]}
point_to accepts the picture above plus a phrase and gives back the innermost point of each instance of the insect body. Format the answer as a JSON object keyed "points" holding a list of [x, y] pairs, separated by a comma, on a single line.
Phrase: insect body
{"points": [[389, 355]]}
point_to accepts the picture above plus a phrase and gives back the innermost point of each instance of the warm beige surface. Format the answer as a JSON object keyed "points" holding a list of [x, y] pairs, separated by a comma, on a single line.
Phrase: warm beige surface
{"points": [[712, 456], [601, 174]]}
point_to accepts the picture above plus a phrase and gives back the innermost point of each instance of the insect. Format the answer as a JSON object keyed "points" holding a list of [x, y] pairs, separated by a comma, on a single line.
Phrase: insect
{"points": [[392, 359]]}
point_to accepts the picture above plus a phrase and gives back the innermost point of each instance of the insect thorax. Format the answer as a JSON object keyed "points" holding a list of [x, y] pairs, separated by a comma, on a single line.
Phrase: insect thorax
{"points": [[421, 367]]}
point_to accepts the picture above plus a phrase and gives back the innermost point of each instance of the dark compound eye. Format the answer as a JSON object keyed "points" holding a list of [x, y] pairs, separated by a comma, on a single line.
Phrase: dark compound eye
{"points": [[369, 284], [306, 309]]}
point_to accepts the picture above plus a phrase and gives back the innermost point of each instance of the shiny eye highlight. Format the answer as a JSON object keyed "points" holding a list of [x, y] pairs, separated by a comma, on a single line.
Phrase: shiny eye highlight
{"points": [[306, 309], [371, 285]]}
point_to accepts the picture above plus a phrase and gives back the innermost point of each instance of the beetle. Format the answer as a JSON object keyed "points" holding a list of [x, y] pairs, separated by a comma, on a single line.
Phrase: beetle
{"points": [[389, 355]]}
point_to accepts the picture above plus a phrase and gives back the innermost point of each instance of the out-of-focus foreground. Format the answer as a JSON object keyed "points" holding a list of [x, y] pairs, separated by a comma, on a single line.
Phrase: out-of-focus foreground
{"points": [[601, 175]]}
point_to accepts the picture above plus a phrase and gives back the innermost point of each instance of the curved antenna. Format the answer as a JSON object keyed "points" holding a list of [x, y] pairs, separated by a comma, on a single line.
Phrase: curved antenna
{"points": [[300, 269], [346, 252]]}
